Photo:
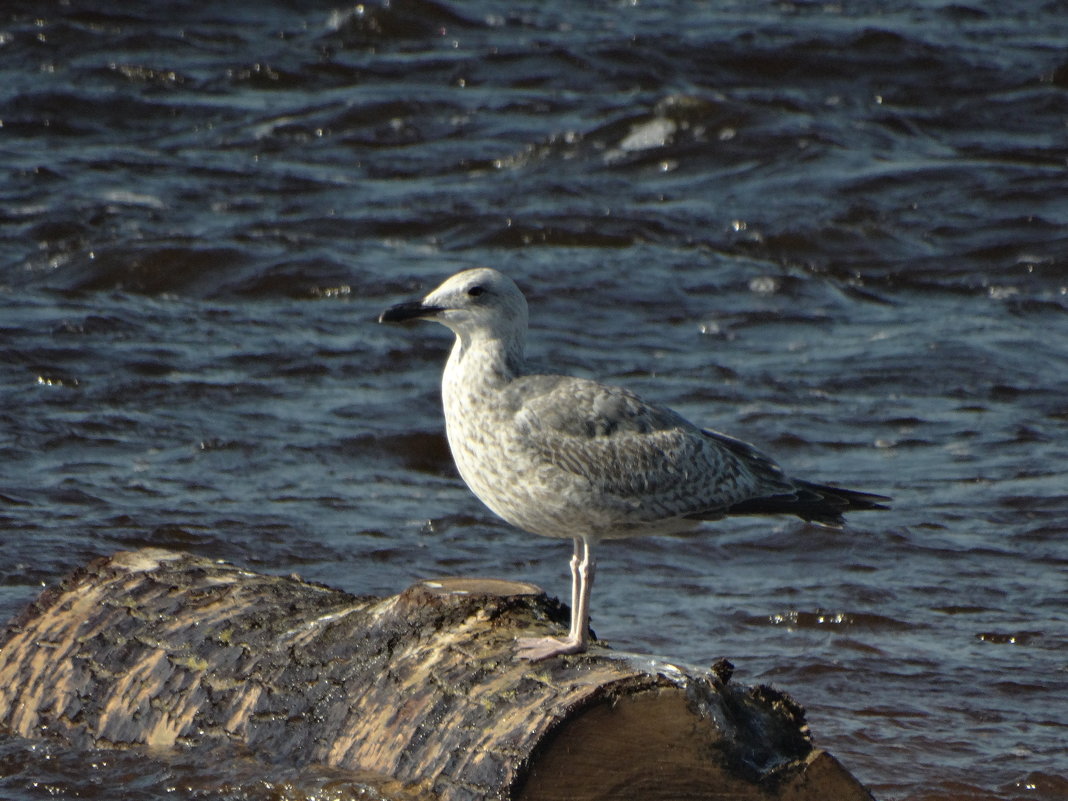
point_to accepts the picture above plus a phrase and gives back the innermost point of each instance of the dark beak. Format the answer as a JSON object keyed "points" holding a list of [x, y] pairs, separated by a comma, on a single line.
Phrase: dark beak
{"points": [[413, 310]]}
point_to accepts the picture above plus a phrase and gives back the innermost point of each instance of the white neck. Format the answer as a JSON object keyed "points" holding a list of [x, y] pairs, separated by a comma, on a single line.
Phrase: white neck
{"points": [[482, 363]]}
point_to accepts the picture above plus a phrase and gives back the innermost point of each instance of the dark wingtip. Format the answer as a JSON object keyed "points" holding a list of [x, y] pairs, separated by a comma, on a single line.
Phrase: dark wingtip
{"points": [[814, 503], [834, 502], [851, 500]]}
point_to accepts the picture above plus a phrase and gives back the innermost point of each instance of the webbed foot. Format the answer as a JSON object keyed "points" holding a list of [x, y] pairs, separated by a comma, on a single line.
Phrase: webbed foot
{"points": [[537, 648]]}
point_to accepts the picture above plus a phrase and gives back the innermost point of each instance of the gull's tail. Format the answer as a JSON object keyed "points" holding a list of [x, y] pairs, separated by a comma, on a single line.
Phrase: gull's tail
{"points": [[815, 503]]}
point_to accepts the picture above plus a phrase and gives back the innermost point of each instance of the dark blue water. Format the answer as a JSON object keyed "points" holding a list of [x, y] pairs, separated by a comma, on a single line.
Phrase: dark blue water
{"points": [[837, 231]]}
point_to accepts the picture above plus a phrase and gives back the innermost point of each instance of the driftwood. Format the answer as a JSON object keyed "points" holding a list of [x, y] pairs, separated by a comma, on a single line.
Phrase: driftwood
{"points": [[417, 694]]}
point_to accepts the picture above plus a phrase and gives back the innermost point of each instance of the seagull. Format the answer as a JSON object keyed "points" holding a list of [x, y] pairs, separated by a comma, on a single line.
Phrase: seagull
{"points": [[567, 457]]}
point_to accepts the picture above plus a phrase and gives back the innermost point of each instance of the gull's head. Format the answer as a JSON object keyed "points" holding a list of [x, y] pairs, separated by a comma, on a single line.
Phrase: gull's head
{"points": [[479, 302]]}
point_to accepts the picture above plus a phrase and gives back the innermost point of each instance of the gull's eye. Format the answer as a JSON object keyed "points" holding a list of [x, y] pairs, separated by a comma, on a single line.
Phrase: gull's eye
{"points": [[475, 291]]}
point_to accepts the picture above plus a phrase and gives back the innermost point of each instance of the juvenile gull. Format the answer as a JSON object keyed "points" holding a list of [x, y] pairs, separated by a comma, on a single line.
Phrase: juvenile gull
{"points": [[572, 458]]}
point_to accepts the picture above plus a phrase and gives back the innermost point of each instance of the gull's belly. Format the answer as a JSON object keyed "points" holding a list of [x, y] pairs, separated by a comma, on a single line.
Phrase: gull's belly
{"points": [[505, 479]]}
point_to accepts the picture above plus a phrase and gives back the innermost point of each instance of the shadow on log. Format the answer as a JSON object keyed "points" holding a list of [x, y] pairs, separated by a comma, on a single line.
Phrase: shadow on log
{"points": [[418, 695]]}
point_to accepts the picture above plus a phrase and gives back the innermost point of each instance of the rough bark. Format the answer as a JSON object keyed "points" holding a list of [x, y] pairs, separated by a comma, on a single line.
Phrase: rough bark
{"points": [[417, 694]]}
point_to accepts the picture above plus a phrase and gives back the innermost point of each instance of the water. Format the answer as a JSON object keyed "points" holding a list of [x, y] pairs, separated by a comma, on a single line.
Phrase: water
{"points": [[836, 231]]}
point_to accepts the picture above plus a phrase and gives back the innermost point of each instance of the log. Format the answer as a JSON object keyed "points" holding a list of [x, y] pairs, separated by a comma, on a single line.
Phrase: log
{"points": [[419, 691]]}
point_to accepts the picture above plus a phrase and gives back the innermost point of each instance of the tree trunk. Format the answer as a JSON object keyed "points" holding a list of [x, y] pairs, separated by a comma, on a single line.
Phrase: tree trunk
{"points": [[160, 649]]}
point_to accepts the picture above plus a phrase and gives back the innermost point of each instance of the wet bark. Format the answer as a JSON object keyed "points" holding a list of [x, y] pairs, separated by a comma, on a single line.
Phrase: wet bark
{"points": [[417, 694]]}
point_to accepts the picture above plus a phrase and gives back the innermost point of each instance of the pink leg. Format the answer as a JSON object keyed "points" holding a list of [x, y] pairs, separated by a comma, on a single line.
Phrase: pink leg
{"points": [[576, 561], [578, 638]]}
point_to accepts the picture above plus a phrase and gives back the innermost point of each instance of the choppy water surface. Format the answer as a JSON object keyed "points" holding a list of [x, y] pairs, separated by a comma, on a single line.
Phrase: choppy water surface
{"points": [[836, 231]]}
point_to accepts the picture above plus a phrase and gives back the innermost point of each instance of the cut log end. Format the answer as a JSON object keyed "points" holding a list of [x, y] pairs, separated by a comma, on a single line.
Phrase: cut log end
{"points": [[655, 746], [645, 746]]}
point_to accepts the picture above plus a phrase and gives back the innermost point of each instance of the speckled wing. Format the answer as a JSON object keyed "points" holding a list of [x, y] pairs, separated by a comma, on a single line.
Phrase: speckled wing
{"points": [[642, 453]]}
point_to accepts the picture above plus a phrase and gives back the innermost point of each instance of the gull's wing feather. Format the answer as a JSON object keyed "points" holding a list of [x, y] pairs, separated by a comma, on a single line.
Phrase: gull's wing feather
{"points": [[630, 449]]}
